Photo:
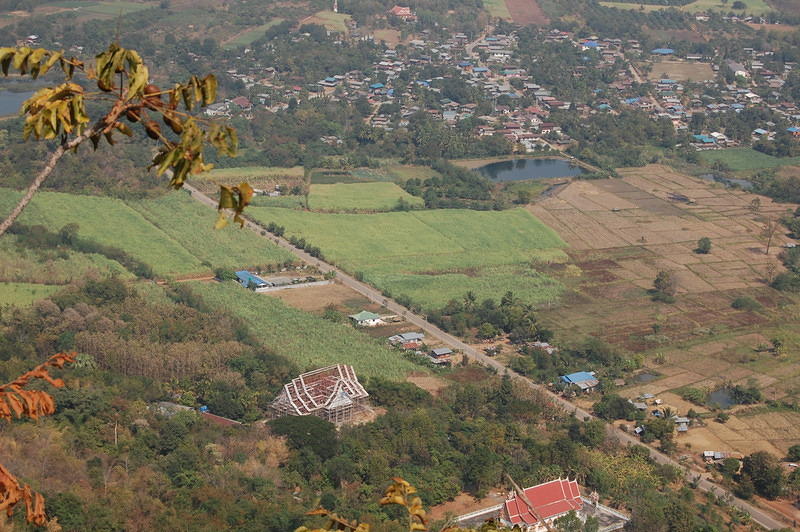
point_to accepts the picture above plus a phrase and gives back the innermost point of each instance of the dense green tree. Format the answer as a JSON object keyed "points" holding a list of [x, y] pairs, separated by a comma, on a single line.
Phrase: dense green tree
{"points": [[765, 472]]}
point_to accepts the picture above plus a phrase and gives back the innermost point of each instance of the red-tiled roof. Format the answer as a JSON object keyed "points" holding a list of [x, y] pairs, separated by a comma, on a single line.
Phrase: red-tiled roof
{"points": [[549, 500], [219, 420]]}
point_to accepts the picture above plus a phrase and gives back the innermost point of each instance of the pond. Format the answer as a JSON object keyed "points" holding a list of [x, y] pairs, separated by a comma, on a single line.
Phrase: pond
{"points": [[10, 101], [728, 181], [722, 397], [645, 377], [522, 169]]}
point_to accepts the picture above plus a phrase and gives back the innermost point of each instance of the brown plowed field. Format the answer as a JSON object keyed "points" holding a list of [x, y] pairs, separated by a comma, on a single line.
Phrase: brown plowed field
{"points": [[525, 12]]}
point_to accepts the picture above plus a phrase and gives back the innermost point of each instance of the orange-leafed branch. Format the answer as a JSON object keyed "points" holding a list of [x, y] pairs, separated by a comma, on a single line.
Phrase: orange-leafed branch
{"points": [[16, 401]]}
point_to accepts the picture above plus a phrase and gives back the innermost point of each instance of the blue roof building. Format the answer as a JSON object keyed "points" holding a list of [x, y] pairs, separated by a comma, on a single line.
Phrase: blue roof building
{"points": [[704, 139], [251, 280], [662, 51], [375, 86], [585, 380]]}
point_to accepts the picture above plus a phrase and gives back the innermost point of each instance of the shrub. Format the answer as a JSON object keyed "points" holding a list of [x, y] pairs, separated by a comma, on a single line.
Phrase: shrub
{"points": [[703, 245], [746, 303]]}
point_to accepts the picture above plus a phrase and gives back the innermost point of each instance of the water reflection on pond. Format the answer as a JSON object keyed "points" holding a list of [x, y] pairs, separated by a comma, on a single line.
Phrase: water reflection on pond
{"points": [[522, 169]]}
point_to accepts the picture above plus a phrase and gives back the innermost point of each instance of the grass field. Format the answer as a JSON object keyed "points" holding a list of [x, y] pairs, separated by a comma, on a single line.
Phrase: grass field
{"points": [[434, 255], [23, 294], [187, 222], [626, 5], [186, 241], [681, 71], [497, 8], [111, 8], [754, 7], [308, 340], [248, 172], [376, 196], [739, 159], [247, 37], [111, 222], [329, 19]]}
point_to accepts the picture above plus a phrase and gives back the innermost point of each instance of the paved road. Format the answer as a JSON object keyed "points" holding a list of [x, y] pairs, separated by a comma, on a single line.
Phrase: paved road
{"points": [[767, 520]]}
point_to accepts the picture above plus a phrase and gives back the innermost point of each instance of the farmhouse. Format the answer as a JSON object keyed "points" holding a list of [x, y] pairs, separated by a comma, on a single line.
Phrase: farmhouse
{"points": [[333, 393], [441, 355], [252, 281], [585, 381], [366, 319], [407, 338]]}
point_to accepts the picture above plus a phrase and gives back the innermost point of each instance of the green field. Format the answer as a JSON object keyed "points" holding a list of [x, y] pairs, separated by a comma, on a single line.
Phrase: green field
{"points": [[754, 7], [247, 37], [186, 241], [377, 196], [740, 159], [186, 221], [329, 19], [434, 256], [308, 340], [23, 294], [497, 8], [637, 7], [104, 8]]}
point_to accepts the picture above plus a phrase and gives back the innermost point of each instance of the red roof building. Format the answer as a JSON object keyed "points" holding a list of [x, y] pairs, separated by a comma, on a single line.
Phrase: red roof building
{"points": [[403, 13], [333, 393], [550, 501]]}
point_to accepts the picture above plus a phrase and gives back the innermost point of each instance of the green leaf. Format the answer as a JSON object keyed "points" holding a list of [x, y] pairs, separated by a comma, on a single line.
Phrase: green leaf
{"points": [[209, 89], [227, 199], [6, 59], [139, 77], [20, 57], [54, 57]]}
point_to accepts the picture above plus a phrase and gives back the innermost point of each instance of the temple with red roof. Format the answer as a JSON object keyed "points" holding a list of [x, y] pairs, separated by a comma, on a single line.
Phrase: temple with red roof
{"points": [[403, 13], [550, 501]]}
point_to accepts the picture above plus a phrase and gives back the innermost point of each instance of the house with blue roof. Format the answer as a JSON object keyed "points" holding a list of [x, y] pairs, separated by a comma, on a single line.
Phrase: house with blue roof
{"points": [[795, 131], [251, 280], [584, 381], [662, 51], [704, 139]]}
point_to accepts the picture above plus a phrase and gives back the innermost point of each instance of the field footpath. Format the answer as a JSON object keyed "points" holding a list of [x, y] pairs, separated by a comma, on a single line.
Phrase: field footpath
{"points": [[760, 516]]}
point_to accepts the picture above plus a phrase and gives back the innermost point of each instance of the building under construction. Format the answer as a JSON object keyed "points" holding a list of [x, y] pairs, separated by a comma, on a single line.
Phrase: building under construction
{"points": [[332, 393]]}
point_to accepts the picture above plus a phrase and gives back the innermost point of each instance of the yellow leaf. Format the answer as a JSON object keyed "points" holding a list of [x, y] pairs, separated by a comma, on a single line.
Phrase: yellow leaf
{"points": [[221, 222]]}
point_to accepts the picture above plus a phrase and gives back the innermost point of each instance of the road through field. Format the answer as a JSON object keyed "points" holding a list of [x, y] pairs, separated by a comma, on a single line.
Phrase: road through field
{"points": [[762, 517]]}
